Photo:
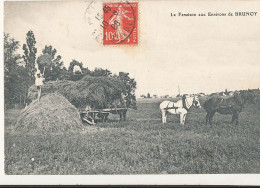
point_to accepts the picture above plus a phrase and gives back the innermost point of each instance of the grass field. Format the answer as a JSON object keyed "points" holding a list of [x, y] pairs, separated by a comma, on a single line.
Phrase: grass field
{"points": [[141, 145]]}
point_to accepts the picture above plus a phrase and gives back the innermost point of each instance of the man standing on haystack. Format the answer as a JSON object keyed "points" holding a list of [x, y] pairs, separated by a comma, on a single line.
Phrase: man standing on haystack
{"points": [[39, 82]]}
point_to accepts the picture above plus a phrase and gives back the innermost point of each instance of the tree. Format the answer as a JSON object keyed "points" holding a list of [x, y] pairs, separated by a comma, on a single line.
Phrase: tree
{"points": [[148, 95], [16, 79], [10, 64], [30, 54], [74, 63], [56, 61], [10, 56], [101, 72], [73, 76], [49, 50], [130, 85], [54, 69], [22, 84]]}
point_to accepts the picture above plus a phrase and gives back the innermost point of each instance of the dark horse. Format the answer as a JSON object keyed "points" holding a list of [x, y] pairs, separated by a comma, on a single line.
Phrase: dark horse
{"points": [[228, 105], [120, 107], [126, 103]]}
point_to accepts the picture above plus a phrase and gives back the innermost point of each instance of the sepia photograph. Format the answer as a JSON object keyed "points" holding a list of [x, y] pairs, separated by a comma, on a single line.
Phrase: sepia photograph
{"points": [[131, 88]]}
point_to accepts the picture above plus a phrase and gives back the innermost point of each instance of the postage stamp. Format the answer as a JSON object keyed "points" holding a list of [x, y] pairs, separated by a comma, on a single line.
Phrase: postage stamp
{"points": [[120, 23], [117, 92]]}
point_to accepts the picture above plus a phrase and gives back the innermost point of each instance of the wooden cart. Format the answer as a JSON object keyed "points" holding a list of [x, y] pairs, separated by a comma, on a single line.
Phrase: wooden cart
{"points": [[89, 116]]}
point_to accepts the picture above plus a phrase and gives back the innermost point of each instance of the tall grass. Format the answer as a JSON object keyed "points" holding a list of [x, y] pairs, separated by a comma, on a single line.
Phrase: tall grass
{"points": [[142, 145]]}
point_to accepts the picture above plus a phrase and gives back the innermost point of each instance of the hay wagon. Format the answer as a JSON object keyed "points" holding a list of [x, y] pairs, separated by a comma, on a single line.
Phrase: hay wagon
{"points": [[89, 116]]}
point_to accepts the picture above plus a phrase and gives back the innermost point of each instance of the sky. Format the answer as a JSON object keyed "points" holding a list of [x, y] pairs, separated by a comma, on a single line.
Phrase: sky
{"points": [[200, 54]]}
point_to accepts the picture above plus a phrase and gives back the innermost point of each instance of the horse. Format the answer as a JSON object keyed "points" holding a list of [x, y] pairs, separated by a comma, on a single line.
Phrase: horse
{"points": [[125, 102], [180, 107], [118, 106], [228, 105]]}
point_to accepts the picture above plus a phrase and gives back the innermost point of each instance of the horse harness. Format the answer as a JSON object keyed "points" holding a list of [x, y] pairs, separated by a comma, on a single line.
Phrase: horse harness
{"points": [[185, 104], [175, 108], [221, 105]]}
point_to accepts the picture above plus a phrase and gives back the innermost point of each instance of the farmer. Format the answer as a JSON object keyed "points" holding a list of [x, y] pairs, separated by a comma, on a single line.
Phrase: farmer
{"points": [[39, 82]]}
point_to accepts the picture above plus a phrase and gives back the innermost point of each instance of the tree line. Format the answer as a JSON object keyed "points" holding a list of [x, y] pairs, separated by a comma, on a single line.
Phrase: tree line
{"points": [[20, 69]]}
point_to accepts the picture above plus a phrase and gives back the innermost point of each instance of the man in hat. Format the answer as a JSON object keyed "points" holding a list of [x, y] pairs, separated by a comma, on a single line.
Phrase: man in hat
{"points": [[39, 82]]}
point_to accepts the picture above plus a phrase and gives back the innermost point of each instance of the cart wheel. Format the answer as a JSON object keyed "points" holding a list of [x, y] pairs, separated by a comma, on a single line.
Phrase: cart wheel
{"points": [[88, 119]]}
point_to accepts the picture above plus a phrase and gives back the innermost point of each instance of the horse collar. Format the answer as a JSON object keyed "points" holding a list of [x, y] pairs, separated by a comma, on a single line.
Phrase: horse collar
{"points": [[184, 104]]}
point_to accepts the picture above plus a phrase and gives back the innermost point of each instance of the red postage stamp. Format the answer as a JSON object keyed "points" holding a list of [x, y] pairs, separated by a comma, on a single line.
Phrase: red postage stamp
{"points": [[120, 23]]}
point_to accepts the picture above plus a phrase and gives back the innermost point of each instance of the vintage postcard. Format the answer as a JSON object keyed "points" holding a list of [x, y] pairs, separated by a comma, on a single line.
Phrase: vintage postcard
{"points": [[148, 92]]}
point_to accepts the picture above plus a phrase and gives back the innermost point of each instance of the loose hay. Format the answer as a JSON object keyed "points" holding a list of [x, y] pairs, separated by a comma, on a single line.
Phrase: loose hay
{"points": [[52, 114], [98, 92]]}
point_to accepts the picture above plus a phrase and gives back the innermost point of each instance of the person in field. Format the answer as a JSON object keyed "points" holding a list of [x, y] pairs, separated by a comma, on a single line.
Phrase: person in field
{"points": [[39, 79]]}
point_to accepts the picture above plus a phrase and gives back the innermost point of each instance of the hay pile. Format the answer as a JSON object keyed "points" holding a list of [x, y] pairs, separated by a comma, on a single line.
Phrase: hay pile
{"points": [[98, 92], [52, 114]]}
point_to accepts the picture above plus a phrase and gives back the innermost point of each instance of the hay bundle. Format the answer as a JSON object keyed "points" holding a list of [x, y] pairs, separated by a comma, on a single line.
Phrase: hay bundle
{"points": [[44, 61], [53, 113], [98, 92]]}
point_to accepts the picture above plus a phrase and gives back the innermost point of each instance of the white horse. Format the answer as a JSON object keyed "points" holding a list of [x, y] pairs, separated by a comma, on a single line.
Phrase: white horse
{"points": [[180, 107]]}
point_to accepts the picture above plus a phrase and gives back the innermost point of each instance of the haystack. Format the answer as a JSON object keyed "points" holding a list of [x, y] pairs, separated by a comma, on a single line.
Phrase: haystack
{"points": [[53, 113], [98, 92]]}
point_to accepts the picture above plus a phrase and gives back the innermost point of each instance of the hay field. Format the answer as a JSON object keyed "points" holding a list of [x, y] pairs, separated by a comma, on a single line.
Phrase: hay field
{"points": [[141, 145]]}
